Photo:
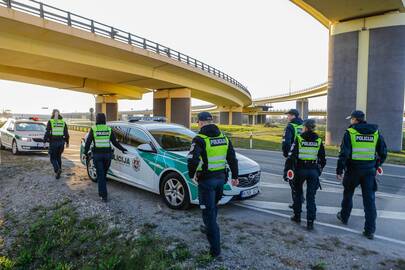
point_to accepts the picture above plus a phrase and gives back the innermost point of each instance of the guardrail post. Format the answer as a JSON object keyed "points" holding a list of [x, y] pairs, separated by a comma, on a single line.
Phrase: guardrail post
{"points": [[8, 3], [129, 39], [144, 44], [188, 60], [92, 26], [112, 32], [69, 19], [41, 10], [157, 49]]}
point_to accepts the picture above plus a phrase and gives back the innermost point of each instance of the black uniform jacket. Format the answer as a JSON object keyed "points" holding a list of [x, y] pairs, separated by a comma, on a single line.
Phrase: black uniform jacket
{"points": [[289, 136], [345, 162], [293, 163], [197, 150], [90, 139], [48, 133]]}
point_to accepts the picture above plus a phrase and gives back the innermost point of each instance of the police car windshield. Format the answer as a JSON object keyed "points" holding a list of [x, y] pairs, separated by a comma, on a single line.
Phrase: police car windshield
{"points": [[27, 126], [173, 139]]}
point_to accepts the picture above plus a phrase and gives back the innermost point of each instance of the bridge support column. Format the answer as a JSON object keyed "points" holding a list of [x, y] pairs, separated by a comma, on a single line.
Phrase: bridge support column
{"points": [[174, 104], [107, 105], [302, 107], [230, 116], [366, 72], [261, 119]]}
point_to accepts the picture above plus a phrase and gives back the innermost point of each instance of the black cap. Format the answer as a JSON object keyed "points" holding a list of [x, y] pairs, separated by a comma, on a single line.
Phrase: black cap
{"points": [[309, 124], [357, 114], [204, 116], [294, 112]]}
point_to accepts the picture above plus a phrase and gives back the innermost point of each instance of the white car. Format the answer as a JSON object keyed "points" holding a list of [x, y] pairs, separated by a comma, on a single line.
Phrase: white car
{"points": [[157, 161], [23, 135]]}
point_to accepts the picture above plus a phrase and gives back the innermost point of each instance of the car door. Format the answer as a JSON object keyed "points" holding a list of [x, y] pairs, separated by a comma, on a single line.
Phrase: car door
{"points": [[9, 133], [142, 164], [117, 167]]}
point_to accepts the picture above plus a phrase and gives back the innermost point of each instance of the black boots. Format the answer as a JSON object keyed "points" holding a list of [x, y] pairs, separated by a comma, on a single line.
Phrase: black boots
{"points": [[368, 235], [296, 218], [310, 225], [339, 217]]}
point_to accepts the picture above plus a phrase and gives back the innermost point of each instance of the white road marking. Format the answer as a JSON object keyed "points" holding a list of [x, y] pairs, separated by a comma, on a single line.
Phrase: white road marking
{"points": [[392, 240], [336, 184], [324, 209]]}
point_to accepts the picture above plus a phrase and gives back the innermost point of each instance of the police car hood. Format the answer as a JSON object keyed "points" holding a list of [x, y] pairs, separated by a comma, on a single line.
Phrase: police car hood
{"points": [[365, 128], [245, 164]]}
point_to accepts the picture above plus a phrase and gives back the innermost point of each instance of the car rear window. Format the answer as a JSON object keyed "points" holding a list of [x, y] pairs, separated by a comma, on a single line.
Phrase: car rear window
{"points": [[23, 126]]}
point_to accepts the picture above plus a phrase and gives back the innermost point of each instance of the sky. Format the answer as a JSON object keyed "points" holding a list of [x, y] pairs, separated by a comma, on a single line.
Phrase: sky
{"points": [[265, 45]]}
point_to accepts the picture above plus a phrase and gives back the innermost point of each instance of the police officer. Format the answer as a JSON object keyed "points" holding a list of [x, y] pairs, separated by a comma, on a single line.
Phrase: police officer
{"points": [[209, 153], [362, 152], [307, 160], [293, 129], [103, 137], [57, 135]]}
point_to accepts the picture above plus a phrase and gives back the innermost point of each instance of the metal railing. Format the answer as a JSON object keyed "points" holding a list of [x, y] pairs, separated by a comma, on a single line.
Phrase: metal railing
{"points": [[292, 93], [73, 20]]}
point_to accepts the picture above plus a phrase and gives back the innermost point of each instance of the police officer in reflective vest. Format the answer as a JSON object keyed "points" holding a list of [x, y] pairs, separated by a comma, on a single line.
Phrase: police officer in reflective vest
{"points": [[102, 137], [210, 152], [291, 132], [57, 135], [307, 160], [362, 152]]}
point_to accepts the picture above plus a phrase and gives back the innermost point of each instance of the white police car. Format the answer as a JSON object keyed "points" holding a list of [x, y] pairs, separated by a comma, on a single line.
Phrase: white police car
{"points": [[157, 161], [23, 135]]}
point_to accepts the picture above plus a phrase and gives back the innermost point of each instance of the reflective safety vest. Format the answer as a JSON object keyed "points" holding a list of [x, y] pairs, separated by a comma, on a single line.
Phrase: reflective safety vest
{"points": [[297, 130], [57, 127], [216, 148], [363, 145], [308, 150], [101, 134]]}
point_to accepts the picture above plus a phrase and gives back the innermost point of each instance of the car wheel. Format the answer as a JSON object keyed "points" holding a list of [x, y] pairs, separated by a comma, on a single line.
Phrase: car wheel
{"points": [[14, 148], [91, 170], [174, 191]]}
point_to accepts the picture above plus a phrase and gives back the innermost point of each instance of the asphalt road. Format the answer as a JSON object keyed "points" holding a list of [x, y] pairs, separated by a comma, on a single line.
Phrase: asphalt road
{"points": [[275, 197]]}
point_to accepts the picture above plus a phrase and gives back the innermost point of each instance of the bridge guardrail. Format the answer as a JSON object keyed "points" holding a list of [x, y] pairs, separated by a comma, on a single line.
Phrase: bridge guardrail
{"points": [[291, 93], [73, 20], [81, 128]]}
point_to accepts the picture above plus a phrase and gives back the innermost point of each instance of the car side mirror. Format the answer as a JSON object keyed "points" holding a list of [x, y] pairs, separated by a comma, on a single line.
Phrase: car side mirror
{"points": [[146, 147], [10, 129]]}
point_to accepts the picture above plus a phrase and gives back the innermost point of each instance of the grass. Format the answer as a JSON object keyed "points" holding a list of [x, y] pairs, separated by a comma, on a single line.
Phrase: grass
{"points": [[57, 238], [269, 138]]}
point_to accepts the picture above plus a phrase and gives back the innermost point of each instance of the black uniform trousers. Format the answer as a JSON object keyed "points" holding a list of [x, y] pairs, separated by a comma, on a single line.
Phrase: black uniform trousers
{"points": [[311, 176], [366, 179]]}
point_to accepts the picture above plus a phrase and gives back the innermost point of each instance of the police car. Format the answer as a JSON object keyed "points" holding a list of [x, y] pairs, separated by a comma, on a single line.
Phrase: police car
{"points": [[157, 161], [23, 135]]}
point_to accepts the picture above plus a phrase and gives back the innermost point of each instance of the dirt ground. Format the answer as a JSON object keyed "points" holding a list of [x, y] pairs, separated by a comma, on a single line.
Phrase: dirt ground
{"points": [[250, 240]]}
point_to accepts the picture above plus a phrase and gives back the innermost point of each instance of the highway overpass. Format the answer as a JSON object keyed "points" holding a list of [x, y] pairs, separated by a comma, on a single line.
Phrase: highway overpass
{"points": [[44, 45], [366, 63]]}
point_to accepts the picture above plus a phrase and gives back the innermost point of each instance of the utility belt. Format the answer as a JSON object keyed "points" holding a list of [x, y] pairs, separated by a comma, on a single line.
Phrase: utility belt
{"points": [[202, 175]]}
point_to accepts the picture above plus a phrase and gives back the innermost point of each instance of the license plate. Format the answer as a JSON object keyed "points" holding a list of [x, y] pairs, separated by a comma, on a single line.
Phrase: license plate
{"points": [[249, 192]]}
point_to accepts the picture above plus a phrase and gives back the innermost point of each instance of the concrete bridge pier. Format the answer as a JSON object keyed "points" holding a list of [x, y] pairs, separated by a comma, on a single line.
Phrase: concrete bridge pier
{"points": [[302, 107], [366, 72], [174, 104], [230, 116], [107, 104]]}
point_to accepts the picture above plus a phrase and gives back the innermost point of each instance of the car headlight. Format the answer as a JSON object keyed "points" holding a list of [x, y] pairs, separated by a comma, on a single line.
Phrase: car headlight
{"points": [[24, 139]]}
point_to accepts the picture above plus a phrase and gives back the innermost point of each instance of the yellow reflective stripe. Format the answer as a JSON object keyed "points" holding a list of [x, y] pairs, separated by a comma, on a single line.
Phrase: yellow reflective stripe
{"points": [[307, 156]]}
